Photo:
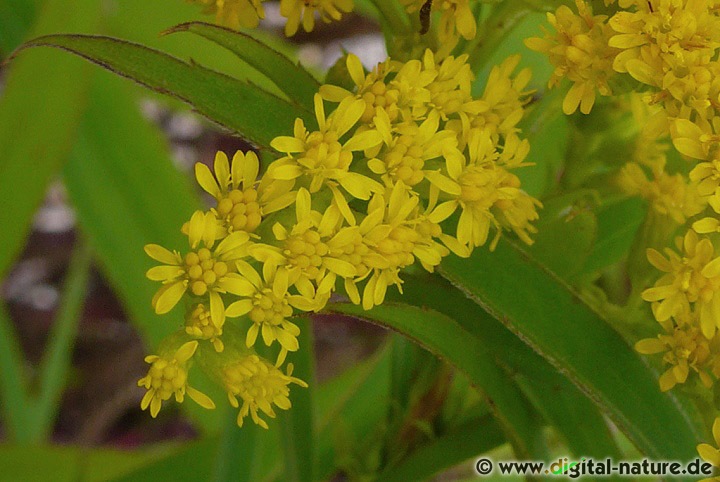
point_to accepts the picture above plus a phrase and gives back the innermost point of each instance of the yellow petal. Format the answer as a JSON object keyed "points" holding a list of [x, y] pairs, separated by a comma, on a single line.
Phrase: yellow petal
{"points": [[168, 296]]}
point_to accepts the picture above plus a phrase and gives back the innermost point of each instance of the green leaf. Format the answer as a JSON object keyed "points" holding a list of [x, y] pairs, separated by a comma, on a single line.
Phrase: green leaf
{"points": [[617, 224], [292, 79], [191, 461], [70, 464], [350, 409], [40, 110], [128, 194], [243, 108], [449, 341], [57, 358], [13, 384], [474, 437], [565, 217], [547, 315], [298, 425], [562, 404]]}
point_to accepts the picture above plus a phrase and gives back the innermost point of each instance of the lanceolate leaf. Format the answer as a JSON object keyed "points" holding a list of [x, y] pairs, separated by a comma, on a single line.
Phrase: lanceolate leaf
{"points": [[40, 110], [563, 405], [239, 106], [449, 341], [547, 315], [296, 82]]}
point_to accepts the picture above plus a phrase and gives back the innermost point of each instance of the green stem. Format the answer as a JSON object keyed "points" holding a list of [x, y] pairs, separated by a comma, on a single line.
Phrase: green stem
{"points": [[56, 361], [393, 16]]}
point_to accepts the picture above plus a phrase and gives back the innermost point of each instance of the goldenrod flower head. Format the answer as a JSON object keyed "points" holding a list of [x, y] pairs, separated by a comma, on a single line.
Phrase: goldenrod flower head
{"points": [[450, 88], [235, 13], [685, 348], [484, 189], [167, 376], [708, 452], [310, 249], [303, 12], [406, 148], [260, 385], [693, 278], [241, 201], [269, 305], [205, 272], [399, 89], [580, 52], [199, 324], [319, 159], [662, 35], [391, 234], [504, 98], [670, 195]]}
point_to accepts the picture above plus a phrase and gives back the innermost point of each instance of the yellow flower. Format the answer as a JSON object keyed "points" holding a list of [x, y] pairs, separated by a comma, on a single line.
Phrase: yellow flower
{"points": [[303, 11], [669, 195], [580, 52], [390, 232], [501, 106], [241, 202], [309, 249], [486, 191], [403, 157], [660, 33], [167, 376], [235, 13], [320, 157], [450, 88], [708, 452], [204, 271], [685, 348], [260, 385], [692, 278], [403, 98], [268, 304], [199, 324]]}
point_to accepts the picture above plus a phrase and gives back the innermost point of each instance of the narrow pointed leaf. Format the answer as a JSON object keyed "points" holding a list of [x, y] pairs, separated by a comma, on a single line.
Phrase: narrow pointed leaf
{"points": [[292, 78], [244, 108], [562, 404], [550, 317], [40, 110]]}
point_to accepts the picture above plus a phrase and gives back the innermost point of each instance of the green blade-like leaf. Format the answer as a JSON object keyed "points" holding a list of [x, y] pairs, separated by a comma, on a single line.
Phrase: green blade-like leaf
{"points": [[474, 437], [128, 197], [449, 341], [239, 106], [292, 78], [547, 315], [298, 425], [562, 404], [57, 359], [351, 408], [40, 110]]}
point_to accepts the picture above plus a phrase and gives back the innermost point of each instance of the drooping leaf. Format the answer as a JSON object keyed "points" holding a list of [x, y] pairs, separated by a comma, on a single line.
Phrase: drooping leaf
{"points": [[562, 404], [546, 314], [40, 110], [244, 108], [292, 78]]}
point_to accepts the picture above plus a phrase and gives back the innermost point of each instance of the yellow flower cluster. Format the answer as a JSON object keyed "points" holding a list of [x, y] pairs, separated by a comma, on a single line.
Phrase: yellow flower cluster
{"points": [[248, 13], [405, 167]]}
